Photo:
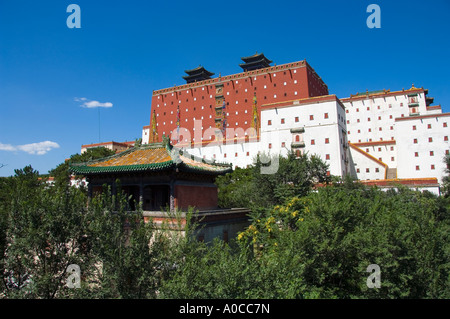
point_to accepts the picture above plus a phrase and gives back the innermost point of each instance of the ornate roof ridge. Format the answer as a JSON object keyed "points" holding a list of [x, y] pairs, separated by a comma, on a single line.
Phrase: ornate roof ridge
{"points": [[149, 161]]}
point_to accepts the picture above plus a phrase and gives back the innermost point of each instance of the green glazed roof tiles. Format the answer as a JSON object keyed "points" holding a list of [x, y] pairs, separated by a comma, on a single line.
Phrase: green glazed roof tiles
{"points": [[152, 157]]}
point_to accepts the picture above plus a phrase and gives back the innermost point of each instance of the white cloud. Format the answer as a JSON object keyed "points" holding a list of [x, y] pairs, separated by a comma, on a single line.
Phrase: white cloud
{"points": [[92, 104], [40, 148], [7, 147]]}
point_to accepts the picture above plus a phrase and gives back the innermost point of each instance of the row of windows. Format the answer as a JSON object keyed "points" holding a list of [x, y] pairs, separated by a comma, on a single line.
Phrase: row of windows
{"points": [[369, 119], [392, 128], [285, 94], [430, 140], [327, 141], [228, 114], [377, 170], [370, 130], [327, 157], [429, 126], [297, 139], [297, 119], [379, 118], [255, 88], [228, 83], [416, 154], [225, 155], [368, 108], [379, 149]]}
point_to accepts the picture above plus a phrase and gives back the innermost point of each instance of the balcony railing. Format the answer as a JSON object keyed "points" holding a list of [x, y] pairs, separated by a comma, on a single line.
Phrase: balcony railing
{"points": [[297, 144]]}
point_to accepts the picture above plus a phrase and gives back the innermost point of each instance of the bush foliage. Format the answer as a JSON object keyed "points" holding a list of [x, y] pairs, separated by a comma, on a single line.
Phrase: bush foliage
{"points": [[303, 242]]}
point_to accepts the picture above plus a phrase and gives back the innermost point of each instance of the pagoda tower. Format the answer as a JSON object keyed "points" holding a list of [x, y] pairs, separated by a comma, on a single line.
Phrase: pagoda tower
{"points": [[254, 62], [197, 74]]}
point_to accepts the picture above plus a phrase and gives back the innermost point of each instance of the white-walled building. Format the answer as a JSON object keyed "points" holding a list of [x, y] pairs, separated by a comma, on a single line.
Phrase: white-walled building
{"points": [[379, 137], [313, 125], [422, 143], [396, 135]]}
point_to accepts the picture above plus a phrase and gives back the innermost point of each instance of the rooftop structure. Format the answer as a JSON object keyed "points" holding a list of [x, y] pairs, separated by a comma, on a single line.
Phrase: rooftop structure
{"points": [[254, 62], [147, 158], [197, 74]]}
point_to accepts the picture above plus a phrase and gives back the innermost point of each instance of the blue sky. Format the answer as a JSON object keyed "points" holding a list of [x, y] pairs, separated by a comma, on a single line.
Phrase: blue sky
{"points": [[126, 49]]}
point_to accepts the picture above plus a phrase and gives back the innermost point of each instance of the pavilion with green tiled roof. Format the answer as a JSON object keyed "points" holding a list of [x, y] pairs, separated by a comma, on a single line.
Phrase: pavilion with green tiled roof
{"points": [[152, 157], [156, 175]]}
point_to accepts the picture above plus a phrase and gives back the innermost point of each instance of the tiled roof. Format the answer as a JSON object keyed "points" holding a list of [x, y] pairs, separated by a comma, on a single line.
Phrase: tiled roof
{"points": [[152, 157]]}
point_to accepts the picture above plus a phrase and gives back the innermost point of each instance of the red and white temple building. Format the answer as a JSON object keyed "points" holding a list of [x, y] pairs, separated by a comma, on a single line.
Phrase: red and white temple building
{"points": [[380, 137]]}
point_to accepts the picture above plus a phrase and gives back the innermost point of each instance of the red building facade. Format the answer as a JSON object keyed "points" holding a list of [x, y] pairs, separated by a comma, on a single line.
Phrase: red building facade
{"points": [[229, 100]]}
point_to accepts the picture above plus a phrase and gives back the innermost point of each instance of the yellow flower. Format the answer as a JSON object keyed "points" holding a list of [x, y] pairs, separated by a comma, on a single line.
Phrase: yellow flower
{"points": [[240, 236]]}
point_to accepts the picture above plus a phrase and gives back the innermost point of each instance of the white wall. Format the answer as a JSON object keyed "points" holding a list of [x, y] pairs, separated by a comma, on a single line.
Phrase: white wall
{"points": [[324, 137], [366, 168], [412, 166], [145, 135], [383, 110]]}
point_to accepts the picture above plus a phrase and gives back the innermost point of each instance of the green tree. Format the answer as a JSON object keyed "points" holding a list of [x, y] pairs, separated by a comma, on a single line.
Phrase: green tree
{"points": [[235, 188], [44, 235], [294, 176], [334, 234], [258, 189], [121, 241], [44, 229]]}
